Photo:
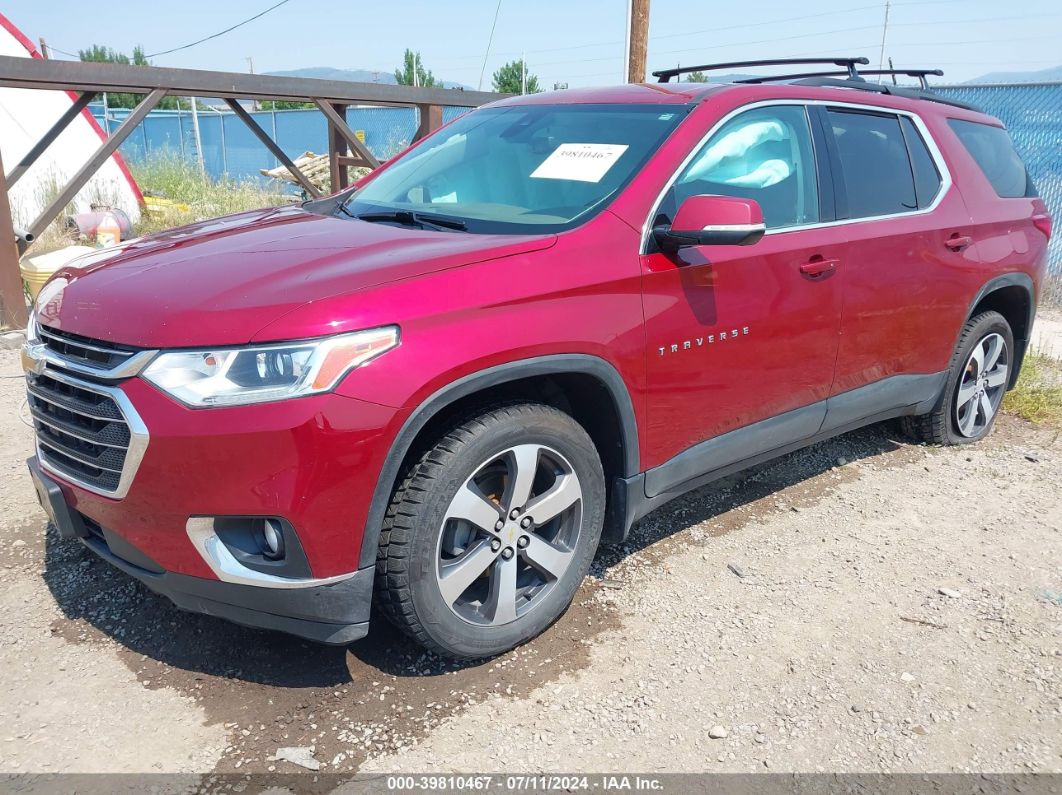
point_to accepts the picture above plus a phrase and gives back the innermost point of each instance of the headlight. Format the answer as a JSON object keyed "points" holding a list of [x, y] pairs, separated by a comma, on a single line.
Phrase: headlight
{"points": [[237, 376]]}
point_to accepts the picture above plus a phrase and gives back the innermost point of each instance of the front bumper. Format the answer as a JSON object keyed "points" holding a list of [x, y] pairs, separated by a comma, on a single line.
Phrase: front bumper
{"points": [[336, 613], [312, 461]]}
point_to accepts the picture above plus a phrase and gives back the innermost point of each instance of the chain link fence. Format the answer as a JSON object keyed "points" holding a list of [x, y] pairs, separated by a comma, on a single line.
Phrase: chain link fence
{"points": [[1033, 115]]}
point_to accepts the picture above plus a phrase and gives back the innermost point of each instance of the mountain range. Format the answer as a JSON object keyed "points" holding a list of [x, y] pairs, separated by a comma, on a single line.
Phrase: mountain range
{"points": [[355, 75], [372, 76], [1053, 74]]}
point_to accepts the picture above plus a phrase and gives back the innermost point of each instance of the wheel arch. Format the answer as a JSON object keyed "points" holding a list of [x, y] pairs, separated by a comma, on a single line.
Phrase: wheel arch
{"points": [[1013, 296], [576, 383]]}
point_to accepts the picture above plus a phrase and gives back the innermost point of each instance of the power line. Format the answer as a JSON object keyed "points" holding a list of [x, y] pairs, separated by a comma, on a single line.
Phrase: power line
{"points": [[219, 33], [657, 53], [490, 40], [718, 29]]}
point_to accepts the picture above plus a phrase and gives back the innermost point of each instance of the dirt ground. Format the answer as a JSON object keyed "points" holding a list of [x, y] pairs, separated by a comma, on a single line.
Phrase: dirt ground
{"points": [[863, 605]]}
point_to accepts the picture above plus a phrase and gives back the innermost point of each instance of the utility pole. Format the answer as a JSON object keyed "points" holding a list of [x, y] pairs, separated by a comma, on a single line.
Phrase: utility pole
{"points": [[884, 32], [250, 70], [45, 51], [638, 27], [198, 138], [523, 75]]}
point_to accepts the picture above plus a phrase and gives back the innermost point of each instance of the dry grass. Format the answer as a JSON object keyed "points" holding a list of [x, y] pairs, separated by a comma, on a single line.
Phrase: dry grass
{"points": [[170, 177], [1037, 396]]}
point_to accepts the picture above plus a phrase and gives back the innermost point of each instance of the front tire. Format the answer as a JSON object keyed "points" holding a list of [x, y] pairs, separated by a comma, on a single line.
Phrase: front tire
{"points": [[492, 531], [978, 377]]}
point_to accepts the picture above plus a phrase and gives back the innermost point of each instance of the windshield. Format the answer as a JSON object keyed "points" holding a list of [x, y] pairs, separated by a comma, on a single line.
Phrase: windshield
{"points": [[520, 169]]}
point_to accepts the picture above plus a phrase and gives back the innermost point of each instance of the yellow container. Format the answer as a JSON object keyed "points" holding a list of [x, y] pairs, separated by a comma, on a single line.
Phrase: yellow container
{"points": [[38, 270]]}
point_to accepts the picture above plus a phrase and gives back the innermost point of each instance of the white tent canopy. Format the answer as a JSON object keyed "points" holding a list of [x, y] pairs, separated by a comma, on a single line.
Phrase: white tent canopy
{"points": [[25, 116]]}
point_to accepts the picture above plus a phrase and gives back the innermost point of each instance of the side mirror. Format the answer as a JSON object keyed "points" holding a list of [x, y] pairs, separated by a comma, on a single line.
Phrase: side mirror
{"points": [[712, 221]]}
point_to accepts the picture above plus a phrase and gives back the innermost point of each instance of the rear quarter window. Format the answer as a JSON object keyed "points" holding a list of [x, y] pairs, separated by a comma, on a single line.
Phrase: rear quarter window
{"points": [[994, 152]]}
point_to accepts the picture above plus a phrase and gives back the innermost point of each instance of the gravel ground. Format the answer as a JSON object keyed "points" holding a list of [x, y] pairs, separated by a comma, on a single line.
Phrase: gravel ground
{"points": [[863, 605]]}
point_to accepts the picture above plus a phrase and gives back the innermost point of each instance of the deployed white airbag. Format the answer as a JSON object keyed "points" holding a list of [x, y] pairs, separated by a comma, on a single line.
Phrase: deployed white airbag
{"points": [[731, 161]]}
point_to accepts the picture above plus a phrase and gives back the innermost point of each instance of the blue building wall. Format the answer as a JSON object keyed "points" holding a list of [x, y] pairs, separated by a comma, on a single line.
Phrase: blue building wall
{"points": [[230, 148]]}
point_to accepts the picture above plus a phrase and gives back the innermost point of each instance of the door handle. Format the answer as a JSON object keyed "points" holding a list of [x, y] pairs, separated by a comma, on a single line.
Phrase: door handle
{"points": [[958, 242], [819, 267]]}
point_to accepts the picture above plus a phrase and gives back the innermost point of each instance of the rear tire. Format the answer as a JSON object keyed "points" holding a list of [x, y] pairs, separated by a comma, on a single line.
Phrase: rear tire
{"points": [[978, 376], [491, 531]]}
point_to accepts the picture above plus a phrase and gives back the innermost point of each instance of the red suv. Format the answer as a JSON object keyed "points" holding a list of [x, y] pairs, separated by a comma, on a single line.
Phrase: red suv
{"points": [[440, 390]]}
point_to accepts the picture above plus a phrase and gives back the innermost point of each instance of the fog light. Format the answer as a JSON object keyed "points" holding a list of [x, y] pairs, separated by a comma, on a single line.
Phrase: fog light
{"points": [[273, 538]]}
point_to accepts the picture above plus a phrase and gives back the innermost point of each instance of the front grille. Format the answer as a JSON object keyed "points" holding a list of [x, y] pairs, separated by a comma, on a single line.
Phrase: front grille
{"points": [[81, 430], [94, 354]]}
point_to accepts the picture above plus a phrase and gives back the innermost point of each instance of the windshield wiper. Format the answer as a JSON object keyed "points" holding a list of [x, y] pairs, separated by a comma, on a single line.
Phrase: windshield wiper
{"points": [[410, 218]]}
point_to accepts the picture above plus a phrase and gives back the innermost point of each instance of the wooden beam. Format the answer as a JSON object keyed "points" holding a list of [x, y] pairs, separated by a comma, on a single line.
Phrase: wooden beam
{"points": [[57, 129], [272, 146], [337, 152], [12, 298], [340, 125], [106, 149], [100, 77], [430, 120], [353, 160]]}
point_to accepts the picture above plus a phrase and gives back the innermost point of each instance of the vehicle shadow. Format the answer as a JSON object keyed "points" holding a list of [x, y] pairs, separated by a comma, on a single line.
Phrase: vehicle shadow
{"points": [[742, 488], [90, 591]]}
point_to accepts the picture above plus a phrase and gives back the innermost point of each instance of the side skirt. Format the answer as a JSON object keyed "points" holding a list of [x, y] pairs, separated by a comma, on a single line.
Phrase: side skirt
{"points": [[896, 396]]}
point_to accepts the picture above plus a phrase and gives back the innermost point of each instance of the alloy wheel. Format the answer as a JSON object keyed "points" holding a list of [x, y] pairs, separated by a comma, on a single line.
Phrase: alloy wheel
{"points": [[981, 388], [509, 534]]}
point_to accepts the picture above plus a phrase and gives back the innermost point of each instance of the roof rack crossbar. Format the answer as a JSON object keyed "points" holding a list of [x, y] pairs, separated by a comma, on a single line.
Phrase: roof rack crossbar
{"points": [[665, 75], [921, 74]]}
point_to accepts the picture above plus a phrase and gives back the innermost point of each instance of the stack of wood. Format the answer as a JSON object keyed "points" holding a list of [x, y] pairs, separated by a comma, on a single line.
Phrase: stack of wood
{"points": [[315, 169]]}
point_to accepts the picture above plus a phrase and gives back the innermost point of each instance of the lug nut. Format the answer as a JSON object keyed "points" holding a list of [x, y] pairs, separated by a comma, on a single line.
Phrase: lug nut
{"points": [[525, 522], [515, 512], [495, 545], [498, 525], [523, 541], [507, 553]]}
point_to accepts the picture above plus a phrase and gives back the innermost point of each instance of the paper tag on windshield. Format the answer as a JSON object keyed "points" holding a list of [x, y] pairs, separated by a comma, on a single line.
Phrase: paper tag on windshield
{"points": [[580, 162]]}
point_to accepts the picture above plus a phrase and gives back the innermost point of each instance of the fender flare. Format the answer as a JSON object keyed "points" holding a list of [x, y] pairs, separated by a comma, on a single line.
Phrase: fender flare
{"points": [[559, 364], [1015, 279]]}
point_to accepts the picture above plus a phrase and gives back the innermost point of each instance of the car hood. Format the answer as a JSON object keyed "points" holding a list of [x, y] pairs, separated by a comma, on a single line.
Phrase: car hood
{"points": [[220, 281]]}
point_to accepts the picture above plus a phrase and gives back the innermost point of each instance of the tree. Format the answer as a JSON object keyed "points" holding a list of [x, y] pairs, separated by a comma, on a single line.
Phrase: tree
{"points": [[413, 72], [510, 79], [100, 54], [284, 104], [696, 77]]}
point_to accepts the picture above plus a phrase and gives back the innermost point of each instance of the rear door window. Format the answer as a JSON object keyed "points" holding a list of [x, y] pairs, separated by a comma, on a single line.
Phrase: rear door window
{"points": [[994, 152], [877, 171]]}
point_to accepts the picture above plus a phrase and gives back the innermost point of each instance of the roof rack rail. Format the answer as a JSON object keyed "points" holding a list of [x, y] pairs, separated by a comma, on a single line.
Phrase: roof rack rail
{"points": [[885, 88], [921, 74], [665, 75]]}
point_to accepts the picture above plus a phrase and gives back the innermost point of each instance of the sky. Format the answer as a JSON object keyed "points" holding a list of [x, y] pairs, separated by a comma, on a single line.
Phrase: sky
{"points": [[579, 42]]}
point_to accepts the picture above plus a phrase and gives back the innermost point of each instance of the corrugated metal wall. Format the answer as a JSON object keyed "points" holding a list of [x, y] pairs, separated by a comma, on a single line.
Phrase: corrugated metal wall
{"points": [[230, 148]]}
